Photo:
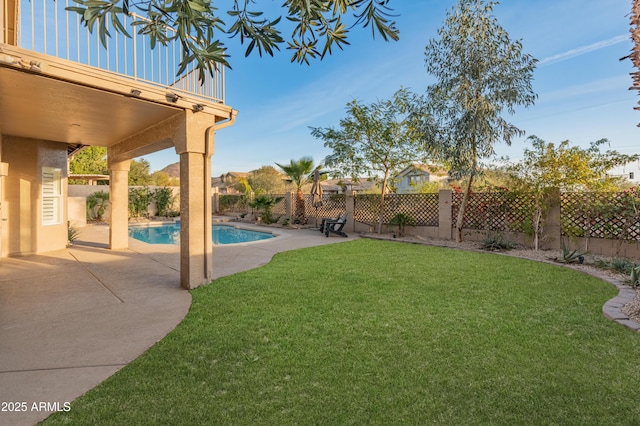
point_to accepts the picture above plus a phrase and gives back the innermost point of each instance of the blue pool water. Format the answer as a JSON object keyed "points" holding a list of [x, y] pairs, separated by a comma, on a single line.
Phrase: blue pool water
{"points": [[170, 234]]}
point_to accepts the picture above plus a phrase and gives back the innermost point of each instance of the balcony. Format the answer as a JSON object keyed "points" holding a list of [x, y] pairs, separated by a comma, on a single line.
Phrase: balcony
{"points": [[46, 27]]}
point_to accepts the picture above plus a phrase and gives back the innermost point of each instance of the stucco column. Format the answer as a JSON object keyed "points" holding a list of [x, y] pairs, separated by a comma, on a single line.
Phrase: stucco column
{"points": [[195, 222], [445, 198], [194, 144], [193, 140], [2, 173], [119, 204], [553, 223], [350, 208]]}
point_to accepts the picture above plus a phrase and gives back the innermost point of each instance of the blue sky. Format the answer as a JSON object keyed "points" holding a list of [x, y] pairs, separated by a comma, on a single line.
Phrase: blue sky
{"points": [[582, 86]]}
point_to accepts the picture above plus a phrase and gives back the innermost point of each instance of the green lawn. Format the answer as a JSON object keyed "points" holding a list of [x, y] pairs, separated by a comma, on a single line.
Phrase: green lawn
{"points": [[373, 332]]}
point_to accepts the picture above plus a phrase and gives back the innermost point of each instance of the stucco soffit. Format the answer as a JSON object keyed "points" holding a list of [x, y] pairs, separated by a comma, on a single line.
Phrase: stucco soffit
{"points": [[154, 138]]}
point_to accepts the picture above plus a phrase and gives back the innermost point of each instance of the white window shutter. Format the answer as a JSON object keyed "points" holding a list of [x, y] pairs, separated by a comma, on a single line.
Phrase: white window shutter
{"points": [[51, 196]]}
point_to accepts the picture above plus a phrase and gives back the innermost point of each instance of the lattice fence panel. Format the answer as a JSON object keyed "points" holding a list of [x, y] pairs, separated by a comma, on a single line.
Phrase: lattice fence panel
{"points": [[280, 208], [366, 208], [332, 206], [232, 203], [495, 211], [423, 208], [612, 215]]}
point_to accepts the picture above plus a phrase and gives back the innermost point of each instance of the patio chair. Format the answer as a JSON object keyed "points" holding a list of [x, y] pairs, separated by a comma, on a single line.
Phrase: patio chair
{"points": [[335, 226], [328, 219]]}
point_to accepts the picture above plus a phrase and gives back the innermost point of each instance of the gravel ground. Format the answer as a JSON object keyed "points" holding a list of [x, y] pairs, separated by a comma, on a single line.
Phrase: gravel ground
{"points": [[631, 309]]}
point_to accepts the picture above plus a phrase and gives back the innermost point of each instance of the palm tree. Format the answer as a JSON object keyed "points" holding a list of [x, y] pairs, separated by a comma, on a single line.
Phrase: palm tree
{"points": [[298, 173], [264, 204]]}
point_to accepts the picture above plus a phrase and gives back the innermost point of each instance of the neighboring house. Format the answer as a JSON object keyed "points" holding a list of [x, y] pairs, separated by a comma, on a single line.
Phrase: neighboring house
{"points": [[224, 183], [630, 172], [57, 96], [415, 176], [341, 186]]}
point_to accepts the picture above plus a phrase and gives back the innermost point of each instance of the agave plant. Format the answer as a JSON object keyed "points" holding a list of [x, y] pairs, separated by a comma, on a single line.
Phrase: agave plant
{"points": [[72, 233], [635, 276], [570, 255]]}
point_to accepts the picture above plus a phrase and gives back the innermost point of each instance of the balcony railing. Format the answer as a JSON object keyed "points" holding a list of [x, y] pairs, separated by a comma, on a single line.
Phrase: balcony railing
{"points": [[45, 26]]}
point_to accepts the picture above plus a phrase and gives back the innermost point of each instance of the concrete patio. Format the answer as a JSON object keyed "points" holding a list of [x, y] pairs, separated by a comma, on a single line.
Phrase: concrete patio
{"points": [[72, 318]]}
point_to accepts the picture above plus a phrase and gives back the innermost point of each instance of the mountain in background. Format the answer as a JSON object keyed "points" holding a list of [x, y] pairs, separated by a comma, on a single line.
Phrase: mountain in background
{"points": [[173, 170]]}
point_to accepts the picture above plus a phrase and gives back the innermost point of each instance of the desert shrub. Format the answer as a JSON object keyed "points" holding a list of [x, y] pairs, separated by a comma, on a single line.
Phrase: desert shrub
{"points": [[97, 205], [164, 199], [402, 220], [264, 204], [231, 202], [497, 241], [571, 255], [139, 200]]}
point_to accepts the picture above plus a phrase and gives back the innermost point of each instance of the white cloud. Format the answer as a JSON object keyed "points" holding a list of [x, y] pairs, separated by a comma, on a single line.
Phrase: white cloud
{"points": [[572, 53]]}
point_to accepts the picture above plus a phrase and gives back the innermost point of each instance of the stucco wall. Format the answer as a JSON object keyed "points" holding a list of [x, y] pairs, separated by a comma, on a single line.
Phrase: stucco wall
{"points": [[77, 210], [22, 202], [86, 190]]}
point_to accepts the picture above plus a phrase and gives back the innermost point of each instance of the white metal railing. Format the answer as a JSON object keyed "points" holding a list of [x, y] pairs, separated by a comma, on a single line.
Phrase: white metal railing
{"points": [[45, 26]]}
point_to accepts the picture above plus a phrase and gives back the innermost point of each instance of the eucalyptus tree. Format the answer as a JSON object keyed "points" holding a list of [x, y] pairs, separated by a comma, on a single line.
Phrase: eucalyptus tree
{"points": [[299, 174], [318, 25], [139, 173], [481, 74], [377, 140]]}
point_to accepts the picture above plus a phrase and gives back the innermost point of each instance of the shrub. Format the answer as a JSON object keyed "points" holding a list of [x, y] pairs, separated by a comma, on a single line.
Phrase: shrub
{"points": [[72, 233], [264, 203], [231, 202], [570, 255], [497, 241], [402, 220], [164, 199], [97, 205], [618, 264], [635, 276], [139, 199], [622, 265]]}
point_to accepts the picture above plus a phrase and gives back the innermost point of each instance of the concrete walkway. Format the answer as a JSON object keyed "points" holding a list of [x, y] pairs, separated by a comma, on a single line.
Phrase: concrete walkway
{"points": [[70, 319]]}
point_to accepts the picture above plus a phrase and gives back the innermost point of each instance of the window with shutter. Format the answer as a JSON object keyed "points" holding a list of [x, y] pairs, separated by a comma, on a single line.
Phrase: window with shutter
{"points": [[51, 196]]}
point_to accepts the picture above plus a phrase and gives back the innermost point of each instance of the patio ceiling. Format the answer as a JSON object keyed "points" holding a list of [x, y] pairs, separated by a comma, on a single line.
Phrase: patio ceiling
{"points": [[37, 106]]}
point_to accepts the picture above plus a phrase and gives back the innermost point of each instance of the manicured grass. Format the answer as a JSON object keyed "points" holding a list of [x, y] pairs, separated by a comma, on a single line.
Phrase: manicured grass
{"points": [[372, 332]]}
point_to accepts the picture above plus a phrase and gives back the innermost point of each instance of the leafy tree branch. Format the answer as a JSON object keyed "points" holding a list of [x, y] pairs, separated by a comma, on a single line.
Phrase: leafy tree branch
{"points": [[199, 26]]}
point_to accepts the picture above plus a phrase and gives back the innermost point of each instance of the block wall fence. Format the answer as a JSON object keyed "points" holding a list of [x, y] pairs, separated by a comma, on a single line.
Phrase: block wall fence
{"points": [[612, 229], [606, 224]]}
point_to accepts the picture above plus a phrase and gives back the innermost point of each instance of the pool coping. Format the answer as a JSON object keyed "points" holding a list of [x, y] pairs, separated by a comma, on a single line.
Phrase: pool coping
{"points": [[228, 223]]}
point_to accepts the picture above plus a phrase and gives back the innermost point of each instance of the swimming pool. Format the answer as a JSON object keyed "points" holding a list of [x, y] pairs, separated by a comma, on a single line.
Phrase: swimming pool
{"points": [[170, 234]]}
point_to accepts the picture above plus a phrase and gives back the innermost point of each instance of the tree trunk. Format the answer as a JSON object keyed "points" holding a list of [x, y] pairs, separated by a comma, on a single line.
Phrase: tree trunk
{"points": [[536, 228], [467, 192], [463, 206], [300, 216]]}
